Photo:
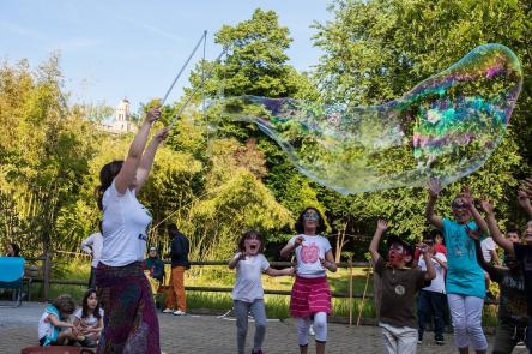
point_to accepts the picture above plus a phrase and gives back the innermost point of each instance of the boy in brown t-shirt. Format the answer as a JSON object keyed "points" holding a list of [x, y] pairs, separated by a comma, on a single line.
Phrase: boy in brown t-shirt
{"points": [[400, 285]]}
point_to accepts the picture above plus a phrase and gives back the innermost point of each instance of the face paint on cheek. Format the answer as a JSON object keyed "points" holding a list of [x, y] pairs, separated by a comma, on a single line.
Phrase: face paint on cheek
{"points": [[395, 256]]}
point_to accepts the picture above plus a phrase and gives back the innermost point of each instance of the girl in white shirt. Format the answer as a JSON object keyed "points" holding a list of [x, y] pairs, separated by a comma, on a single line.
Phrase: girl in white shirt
{"points": [[89, 319], [248, 293], [311, 294]]}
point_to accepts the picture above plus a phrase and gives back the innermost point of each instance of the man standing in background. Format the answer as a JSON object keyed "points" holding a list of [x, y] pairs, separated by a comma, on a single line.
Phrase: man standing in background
{"points": [[93, 246], [179, 249]]}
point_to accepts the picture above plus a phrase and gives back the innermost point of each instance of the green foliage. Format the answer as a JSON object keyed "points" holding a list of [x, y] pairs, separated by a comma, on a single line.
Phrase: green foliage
{"points": [[45, 156], [377, 50], [216, 177]]}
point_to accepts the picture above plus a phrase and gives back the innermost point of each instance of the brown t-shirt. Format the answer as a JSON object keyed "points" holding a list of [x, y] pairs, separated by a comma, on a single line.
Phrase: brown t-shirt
{"points": [[398, 298]]}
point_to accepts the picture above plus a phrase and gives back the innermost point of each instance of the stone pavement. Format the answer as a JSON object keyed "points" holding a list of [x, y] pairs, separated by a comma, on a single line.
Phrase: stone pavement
{"points": [[207, 334]]}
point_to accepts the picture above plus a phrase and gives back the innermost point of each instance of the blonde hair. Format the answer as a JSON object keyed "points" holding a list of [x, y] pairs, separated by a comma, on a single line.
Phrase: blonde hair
{"points": [[65, 304]]}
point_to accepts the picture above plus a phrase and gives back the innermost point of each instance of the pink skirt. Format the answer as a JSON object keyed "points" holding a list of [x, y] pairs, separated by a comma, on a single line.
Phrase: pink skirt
{"points": [[310, 296]]}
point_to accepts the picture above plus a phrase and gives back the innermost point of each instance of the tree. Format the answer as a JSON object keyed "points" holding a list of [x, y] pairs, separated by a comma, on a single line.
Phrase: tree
{"points": [[46, 150], [256, 64], [377, 50]]}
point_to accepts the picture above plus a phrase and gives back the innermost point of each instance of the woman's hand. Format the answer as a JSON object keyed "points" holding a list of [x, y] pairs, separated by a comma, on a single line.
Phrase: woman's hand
{"points": [[161, 135], [153, 114]]}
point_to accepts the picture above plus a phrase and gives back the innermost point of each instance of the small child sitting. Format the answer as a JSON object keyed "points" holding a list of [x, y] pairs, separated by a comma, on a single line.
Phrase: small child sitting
{"points": [[54, 328], [89, 320]]}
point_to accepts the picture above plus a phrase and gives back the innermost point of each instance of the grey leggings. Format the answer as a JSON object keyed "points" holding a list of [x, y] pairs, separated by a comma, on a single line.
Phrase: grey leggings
{"points": [[259, 314]]}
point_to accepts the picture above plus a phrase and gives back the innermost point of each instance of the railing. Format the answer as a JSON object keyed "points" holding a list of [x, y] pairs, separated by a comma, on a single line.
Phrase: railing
{"points": [[46, 281], [275, 291]]}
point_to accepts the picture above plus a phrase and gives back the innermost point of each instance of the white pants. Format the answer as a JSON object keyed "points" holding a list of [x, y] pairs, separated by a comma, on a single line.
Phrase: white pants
{"points": [[320, 328], [399, 340], [466, 312]]}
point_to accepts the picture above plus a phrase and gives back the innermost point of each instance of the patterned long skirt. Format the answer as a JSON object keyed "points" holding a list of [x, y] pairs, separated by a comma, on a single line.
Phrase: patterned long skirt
{"points": [[130, 317], [310, 296]]}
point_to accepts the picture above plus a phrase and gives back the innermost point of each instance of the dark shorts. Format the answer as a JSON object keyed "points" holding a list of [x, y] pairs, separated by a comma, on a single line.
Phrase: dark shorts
{"points": [[43, 339]]}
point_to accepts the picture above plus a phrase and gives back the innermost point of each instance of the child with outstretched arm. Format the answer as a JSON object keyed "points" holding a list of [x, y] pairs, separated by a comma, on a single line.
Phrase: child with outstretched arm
{"points": [[248, 294], [465, 282], [400, 285]]}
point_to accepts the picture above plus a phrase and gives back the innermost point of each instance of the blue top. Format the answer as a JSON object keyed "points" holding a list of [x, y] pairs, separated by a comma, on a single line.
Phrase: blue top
{"points": [[464, 274], [49, 331]]}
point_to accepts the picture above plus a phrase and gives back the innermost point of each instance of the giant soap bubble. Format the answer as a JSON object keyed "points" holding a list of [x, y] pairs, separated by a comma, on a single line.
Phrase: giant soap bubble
{"points": [[446, 127]]}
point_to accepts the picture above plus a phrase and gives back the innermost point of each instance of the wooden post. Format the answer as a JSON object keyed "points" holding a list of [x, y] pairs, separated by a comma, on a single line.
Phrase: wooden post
{"points": [[46, 276], [350, 290], [361, 305]]}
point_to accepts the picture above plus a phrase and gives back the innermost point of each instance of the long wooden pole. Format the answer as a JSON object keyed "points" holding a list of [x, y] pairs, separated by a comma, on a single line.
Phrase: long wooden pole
{"points": [[350, 290], [361, 306]]}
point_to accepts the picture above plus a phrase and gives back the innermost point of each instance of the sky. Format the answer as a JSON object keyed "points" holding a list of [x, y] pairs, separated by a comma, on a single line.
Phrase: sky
{"points": [[133, 49]]}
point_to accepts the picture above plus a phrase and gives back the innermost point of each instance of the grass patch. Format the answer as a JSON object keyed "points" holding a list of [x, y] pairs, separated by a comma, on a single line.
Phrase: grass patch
{"points": [[277, 306]]}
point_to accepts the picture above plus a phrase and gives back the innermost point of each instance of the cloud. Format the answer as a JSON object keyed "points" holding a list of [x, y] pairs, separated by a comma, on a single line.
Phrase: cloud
{"points": [[78, 43], [22, 31], [155, 30]]}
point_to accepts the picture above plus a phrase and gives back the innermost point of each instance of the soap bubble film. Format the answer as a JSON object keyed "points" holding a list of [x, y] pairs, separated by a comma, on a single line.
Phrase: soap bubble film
{"points": [[446, 127]]}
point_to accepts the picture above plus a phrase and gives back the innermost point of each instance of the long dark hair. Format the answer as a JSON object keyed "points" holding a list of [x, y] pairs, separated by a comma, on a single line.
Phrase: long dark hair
{"points": [[107, 175], [85, 307], [299, 223], [251, 234], [16, 250]]}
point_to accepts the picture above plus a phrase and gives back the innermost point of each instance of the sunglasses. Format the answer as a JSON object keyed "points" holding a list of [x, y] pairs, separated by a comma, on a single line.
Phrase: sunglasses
{"points": [[459, 206], [311, 215], [397, 248]]}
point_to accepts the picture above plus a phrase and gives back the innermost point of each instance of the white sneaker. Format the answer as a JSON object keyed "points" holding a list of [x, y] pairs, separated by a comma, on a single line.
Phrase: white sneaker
{"points": [[311, 330], [179, 313], [168, 310], [520, 345]]}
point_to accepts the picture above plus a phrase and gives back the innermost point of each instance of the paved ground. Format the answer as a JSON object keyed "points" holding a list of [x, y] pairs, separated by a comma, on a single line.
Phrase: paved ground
{"points": [[208, 334]]}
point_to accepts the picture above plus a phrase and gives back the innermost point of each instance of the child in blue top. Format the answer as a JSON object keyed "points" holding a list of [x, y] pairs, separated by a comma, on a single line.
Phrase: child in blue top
{"points": [[248, 293], [54, 328], [465, 278]]}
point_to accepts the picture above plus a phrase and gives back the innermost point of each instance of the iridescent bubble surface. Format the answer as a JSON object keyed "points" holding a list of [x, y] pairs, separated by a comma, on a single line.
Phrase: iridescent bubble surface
{"points": [[445, 127]]}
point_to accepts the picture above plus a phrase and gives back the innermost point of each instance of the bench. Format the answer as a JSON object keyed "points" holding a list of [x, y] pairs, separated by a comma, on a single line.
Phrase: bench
{"points": [[12, 277]]}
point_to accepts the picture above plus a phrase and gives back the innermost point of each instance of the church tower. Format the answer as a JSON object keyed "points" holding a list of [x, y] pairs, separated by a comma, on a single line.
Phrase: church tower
{"points": [[121, 123], [122, 111]]}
